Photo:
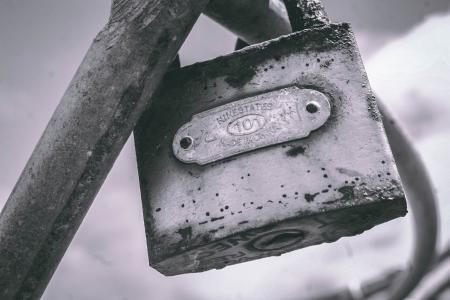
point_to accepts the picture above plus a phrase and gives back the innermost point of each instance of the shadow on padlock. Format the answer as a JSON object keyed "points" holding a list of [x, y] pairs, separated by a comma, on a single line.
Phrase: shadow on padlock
{"points": [[272, 148]]}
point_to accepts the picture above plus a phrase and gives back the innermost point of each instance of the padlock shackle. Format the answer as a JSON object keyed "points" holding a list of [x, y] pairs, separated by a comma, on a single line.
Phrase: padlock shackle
{"points": [[305, 14], [302, 14]]}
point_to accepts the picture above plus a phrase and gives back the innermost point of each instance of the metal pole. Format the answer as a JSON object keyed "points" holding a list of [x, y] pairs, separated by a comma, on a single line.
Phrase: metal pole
{"points": [[110, 90]]}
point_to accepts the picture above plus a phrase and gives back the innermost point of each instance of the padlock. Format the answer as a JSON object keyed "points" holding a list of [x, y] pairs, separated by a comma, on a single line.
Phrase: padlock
{"points": [[272, 148]]}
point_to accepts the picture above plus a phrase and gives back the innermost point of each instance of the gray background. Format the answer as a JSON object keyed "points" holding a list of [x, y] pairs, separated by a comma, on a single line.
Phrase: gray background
{"points": [[405, 45]]}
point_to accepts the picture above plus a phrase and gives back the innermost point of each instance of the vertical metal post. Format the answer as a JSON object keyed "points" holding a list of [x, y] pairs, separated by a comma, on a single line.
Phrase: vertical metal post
{"points": [[110, 90]]}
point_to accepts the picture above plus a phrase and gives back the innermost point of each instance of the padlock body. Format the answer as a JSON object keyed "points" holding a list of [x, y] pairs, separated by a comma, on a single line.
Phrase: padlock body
{"points": [[338, 179]]}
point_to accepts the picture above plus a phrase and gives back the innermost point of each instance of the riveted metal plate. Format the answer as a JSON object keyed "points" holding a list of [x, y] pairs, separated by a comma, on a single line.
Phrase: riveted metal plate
{"points": [[267, 119]]}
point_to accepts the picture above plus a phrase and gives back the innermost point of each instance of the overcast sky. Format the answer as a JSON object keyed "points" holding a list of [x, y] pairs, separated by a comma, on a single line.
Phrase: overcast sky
{"points": [[405, 45]]}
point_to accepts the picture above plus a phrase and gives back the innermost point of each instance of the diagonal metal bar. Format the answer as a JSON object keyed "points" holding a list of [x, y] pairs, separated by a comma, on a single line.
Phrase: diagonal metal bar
{"points": [[95, 117]]}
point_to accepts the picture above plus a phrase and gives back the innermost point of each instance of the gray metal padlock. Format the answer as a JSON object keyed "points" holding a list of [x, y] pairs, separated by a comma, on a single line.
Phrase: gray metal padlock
{"points": [[272, 148]]}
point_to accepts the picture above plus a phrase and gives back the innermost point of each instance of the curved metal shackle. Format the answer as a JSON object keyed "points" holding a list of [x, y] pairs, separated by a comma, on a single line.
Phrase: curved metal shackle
{"points": [[302, 14], [305, 14]]}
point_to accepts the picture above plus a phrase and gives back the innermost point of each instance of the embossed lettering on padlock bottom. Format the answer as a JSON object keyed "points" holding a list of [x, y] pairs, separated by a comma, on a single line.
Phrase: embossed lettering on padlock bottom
{"points": [[278, 238], [267, 119]]}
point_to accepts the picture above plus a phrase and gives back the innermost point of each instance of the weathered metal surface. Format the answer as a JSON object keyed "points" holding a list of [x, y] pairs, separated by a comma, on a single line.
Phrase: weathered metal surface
{"points": [[95, 117], [339, 181], [305, 13], [267, 119]]}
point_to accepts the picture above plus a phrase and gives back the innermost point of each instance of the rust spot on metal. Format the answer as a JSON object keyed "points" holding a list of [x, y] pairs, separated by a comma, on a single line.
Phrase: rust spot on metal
{"points": [[348, 172], [326, 64], [240, 78], [310, 197], [348, 192], [193, 175], [373, 108], [293, 152], [186, 233]]}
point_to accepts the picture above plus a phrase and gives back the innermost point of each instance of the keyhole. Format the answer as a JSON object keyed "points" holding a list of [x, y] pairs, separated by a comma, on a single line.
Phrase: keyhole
{"points": [[277, 240], [312, 107], [186, 142]]}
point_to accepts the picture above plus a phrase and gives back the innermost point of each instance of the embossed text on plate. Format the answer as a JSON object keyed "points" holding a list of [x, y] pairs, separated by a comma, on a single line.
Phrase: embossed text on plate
{"points": [[275, 117]]}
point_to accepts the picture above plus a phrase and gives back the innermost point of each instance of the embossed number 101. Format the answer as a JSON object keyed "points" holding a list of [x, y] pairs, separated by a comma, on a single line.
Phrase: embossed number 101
{"points": [[246, 125]]}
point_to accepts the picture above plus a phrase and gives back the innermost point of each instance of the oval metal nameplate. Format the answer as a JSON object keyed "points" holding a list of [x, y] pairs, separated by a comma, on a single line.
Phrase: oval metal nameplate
{"points": [[271, 118]]}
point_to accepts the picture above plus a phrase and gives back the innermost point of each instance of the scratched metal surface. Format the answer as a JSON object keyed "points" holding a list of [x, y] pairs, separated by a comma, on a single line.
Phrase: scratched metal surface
{"points": [[301, 193]]}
